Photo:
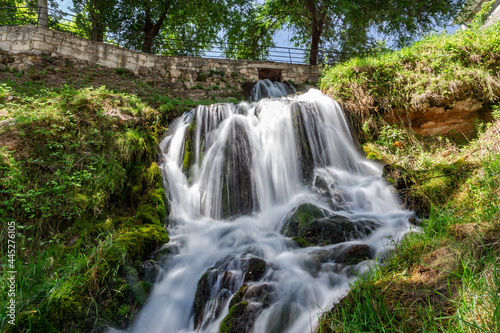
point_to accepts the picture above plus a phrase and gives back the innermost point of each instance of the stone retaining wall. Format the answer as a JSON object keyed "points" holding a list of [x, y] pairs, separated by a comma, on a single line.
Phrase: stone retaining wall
{"points": [[41, 41]]}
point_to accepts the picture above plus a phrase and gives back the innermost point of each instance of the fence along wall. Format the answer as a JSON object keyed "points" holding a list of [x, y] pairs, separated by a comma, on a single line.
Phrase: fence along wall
{"points": [[39, 41]]}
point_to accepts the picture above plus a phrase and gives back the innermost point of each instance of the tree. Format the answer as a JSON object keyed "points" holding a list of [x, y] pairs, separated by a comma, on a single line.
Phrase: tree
{"points": [[182, 21], [100, 14], [21, 12], [350, 25]]}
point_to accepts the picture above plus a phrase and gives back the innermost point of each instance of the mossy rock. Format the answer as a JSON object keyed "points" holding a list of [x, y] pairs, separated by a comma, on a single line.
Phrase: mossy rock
{"points": [[314, 226], [302, 215], [355, 254], [153, 176], [136, 242], [256, 269], [189, 150], [231, 323], [147, 214], [403, 182], [301, 242], [202, 297], [239, 296]]}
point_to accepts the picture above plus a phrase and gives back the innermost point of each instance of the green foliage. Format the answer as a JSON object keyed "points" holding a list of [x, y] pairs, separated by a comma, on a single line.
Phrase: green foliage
{"points": [[482, 15], [177, 27], [437, 71], [442, 278], [340, 27], [87, 201]]}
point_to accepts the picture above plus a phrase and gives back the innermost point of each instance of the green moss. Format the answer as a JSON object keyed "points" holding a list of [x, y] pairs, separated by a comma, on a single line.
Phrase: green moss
{"points": [[256, 269], [305, 213], [147, 214], [238, 297], [153, 176], [140, 240], [228, 324], [300, 241], [189, 155]]}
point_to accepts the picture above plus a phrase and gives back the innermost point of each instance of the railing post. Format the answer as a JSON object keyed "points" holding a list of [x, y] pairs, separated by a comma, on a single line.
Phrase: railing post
{"points": [[290, 54], [43, 14]]}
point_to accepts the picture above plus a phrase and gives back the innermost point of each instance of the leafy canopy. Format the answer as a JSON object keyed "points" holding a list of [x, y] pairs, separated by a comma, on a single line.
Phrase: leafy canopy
{"points": [[346, 26]]}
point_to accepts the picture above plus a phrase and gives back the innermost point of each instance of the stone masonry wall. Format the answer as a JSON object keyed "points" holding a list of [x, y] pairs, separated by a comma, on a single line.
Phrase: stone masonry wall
{"points": [[40, 41]]}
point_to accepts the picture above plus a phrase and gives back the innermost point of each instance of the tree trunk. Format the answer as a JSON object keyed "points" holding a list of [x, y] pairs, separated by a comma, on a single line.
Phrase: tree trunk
{"points": [[97, 25], [149, 38], [313, 55], [151, 30], [43, 14], [317, 21]]}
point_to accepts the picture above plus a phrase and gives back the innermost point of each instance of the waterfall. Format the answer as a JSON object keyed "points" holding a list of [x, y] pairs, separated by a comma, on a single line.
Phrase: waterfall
{"points": [[274, 213]]}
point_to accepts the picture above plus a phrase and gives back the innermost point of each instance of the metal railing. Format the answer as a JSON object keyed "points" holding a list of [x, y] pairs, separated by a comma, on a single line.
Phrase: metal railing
{"points": [[111, 34]]}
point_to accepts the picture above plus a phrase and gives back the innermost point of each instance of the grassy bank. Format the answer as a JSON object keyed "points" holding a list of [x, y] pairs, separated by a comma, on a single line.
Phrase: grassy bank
{"points": [[82, 194], [437, 71], [445, 277]]}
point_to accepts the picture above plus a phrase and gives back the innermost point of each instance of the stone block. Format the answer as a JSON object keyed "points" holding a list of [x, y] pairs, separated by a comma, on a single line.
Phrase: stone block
{"points": [[67, 51], [131, 67], [20, 46], [42, 46], [5, 45], [107, 63]]}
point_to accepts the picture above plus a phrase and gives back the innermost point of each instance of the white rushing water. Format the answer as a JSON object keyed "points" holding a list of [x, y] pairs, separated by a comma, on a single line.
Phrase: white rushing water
{"points": [[248, 176]]}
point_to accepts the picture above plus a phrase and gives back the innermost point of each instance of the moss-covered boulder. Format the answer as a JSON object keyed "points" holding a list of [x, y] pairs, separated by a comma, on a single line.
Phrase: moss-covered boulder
{"points": [[256, 269], [189, 158], [311, 225], [219, 283]]}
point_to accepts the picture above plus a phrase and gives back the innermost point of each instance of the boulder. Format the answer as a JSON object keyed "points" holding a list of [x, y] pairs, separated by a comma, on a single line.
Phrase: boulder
{"points": [[237, 192], [304, 152], [219, 283], [311, 225]]}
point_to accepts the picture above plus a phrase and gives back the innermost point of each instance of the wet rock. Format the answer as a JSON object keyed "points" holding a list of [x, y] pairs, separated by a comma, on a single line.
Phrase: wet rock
{"points": [[218, 283], [237, 194], [321, 184], [240, 319], [304, 152], [203, 293], [256, 269], [246, 305], [189, 150], [355, 254], [314, 226]]}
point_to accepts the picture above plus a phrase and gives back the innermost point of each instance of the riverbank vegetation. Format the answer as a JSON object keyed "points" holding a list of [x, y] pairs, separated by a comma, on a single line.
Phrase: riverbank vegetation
{"points": [[81, 185], [445, 276], [79, 180]]}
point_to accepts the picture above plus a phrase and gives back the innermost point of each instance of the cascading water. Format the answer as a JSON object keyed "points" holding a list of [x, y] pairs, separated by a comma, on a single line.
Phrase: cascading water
{"points": [[248, 184]]}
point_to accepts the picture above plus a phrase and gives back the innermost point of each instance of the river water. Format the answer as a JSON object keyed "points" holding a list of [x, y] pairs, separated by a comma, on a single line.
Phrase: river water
{"points": [[230, 200]]}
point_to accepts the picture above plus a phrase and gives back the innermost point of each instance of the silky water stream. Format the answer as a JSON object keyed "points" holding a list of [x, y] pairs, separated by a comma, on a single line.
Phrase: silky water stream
{"points": [[273, 213]]}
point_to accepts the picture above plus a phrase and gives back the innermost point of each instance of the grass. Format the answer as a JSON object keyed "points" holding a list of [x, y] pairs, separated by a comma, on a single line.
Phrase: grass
{"points": [[437, 71], [87, 201], [444, 278], [83, 191]]}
